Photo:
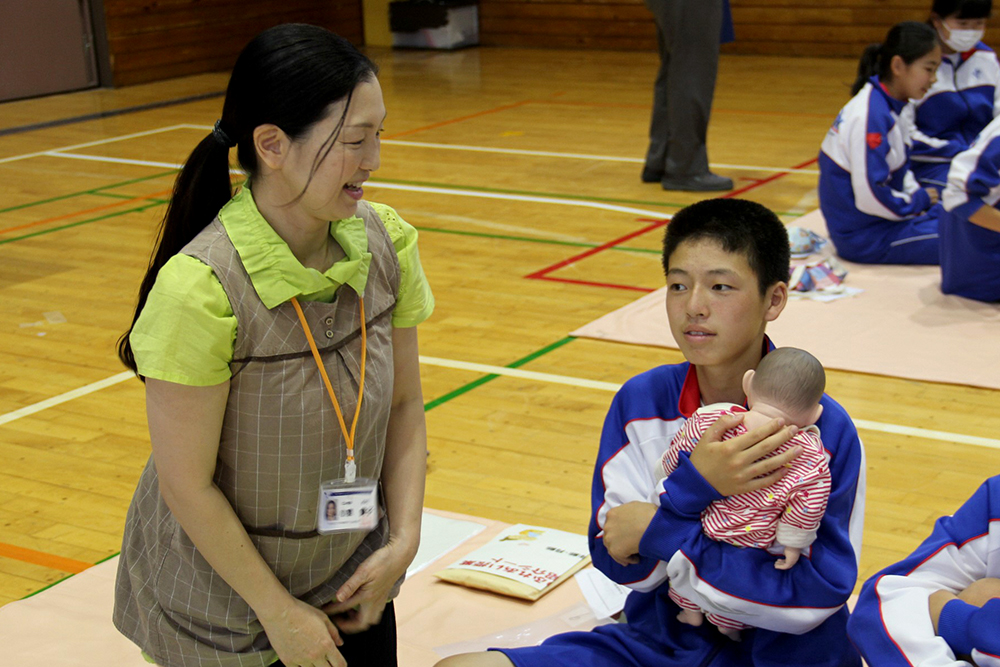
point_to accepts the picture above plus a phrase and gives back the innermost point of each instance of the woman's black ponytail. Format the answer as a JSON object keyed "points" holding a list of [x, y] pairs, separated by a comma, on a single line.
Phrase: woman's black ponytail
{"points": [[288, 75], [910, 40]]}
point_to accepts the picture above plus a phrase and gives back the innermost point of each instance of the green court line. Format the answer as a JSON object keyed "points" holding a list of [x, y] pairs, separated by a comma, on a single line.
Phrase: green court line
{"points": [[116, 195], [528, 239], [492, 376], [59, 581], [87, 192], [81, 222]]}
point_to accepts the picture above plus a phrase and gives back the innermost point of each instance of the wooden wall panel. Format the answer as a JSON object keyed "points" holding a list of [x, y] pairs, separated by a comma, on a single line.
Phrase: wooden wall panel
{"points": [[773, 27], [151, 40]]}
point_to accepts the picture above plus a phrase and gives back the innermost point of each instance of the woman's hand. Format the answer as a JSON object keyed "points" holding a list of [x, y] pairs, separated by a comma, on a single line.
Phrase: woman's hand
{"points": [[624, 527], [302, 635], [362, 599], [738, 465]]}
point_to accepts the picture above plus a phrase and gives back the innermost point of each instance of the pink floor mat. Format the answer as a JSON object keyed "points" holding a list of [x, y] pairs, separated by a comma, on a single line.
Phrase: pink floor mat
{"points": [[900, 326], [70, 624]]}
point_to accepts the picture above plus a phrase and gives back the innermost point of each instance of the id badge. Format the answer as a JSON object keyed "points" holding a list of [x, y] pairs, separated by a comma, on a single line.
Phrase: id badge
{"points": [[347, 506]]}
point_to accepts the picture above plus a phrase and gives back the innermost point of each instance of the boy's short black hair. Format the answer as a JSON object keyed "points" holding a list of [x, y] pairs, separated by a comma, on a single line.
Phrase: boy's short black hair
{"points": [[739, 226]]}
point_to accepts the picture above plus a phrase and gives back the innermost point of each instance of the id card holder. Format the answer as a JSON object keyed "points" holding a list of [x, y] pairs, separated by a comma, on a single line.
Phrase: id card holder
{"points": [[347, 506]]}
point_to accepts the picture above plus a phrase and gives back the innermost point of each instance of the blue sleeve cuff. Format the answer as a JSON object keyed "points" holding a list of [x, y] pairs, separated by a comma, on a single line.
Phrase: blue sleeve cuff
{"points": [[686, 492], [969, 208], [955, 624], [921, 200]]}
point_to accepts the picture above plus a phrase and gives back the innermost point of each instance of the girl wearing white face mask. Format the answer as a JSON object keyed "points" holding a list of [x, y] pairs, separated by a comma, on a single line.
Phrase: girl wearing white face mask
{"points": [[966, 96]]}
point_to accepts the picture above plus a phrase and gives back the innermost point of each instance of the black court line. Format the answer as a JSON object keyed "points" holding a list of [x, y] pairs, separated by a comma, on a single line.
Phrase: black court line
{"points": [[112, 112]]}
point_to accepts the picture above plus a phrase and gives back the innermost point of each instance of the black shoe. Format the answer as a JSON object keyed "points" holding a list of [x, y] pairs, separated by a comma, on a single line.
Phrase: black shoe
{"points": [[650, 175], [701, 183]]}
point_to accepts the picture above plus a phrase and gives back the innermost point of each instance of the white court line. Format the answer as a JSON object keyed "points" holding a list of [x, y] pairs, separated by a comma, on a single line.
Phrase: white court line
{"points": [[610, 386], [88, 144], [63, 398], [518, 373], [122, 160], [576, 156], [570, 156], [659, 215], [523, 375]]}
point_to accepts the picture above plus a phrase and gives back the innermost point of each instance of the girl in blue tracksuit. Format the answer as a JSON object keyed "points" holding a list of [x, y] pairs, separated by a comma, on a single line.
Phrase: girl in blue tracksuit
{"points": [[970, 223], [933, 609], [875, 210], [966, 96]]}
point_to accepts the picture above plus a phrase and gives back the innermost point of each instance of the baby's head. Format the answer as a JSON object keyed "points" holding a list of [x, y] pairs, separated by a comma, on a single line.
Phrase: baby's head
{"points": [[788, 383]]}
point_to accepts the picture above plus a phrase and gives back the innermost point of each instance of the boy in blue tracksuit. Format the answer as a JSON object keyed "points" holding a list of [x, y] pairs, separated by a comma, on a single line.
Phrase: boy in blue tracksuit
{"points": [[875, 210], [966, 95], [970, 224], [726, 263], [939, 607]]}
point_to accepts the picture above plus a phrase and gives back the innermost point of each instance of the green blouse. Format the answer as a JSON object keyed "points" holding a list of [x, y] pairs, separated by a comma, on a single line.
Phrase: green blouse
{"points": [[187, 329]]}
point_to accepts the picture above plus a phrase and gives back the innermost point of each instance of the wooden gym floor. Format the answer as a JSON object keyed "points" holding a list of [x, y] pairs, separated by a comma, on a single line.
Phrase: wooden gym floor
{"points": [[520, 169]]}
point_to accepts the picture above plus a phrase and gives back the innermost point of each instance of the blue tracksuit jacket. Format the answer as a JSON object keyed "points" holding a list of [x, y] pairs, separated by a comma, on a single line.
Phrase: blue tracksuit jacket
{"points": [[875, 210], [799, 613], [962, 102], [970, 254], [891, 624]]}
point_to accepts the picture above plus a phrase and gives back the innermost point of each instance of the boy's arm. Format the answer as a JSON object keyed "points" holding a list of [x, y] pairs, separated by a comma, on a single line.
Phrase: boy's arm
{"points": [[743, 584], [626, 470], [891, 624]]}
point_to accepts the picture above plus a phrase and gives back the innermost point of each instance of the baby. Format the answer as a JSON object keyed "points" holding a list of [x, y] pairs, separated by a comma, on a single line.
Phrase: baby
{"points": [[783, 517]]}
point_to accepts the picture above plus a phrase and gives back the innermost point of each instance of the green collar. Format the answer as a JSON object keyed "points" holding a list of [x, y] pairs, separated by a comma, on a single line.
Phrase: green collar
{"points": [[276, 274]]}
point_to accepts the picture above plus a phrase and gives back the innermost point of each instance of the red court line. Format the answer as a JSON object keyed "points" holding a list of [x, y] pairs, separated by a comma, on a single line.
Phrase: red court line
{"points": [[736, 112], [769, 179], [457, 120], [590, 283], [593, 251], [116, 204], [542, 275], [43, 559]]}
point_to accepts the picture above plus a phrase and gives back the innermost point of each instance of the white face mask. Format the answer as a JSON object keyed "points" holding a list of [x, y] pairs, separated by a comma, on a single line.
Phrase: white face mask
{"points": [[962, 40]]}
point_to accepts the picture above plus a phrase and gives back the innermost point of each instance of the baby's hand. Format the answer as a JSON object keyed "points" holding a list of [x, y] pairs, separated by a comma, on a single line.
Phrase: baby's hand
{"points": [[791, 558]]}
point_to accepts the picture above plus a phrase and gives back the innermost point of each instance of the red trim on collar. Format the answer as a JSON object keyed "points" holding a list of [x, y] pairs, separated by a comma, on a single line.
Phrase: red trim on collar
{"points": [[968, 54], [886, 90], [690, 398]]}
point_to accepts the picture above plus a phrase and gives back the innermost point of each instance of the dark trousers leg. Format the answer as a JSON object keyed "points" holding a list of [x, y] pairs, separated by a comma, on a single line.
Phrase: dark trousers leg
{"points": [[375, 647], [688, 35]]}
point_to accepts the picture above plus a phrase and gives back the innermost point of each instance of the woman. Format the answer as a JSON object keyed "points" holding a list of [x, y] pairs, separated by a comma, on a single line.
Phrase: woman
{"points": [[964, 99], [275, 330], [874, 209]]}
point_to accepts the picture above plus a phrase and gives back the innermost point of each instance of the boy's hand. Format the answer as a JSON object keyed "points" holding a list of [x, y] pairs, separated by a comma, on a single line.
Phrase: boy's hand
{"points": [[933, 195], [981, 591], [936, 603], [623, 530], [738, 465]]}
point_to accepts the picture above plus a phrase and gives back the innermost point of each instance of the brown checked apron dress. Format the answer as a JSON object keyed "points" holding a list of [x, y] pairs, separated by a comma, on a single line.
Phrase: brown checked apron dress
{"points": [[280, 440]]}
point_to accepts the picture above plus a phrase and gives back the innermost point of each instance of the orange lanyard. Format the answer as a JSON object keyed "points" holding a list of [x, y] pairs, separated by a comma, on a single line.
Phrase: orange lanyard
{"points": [[349, 467]]}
